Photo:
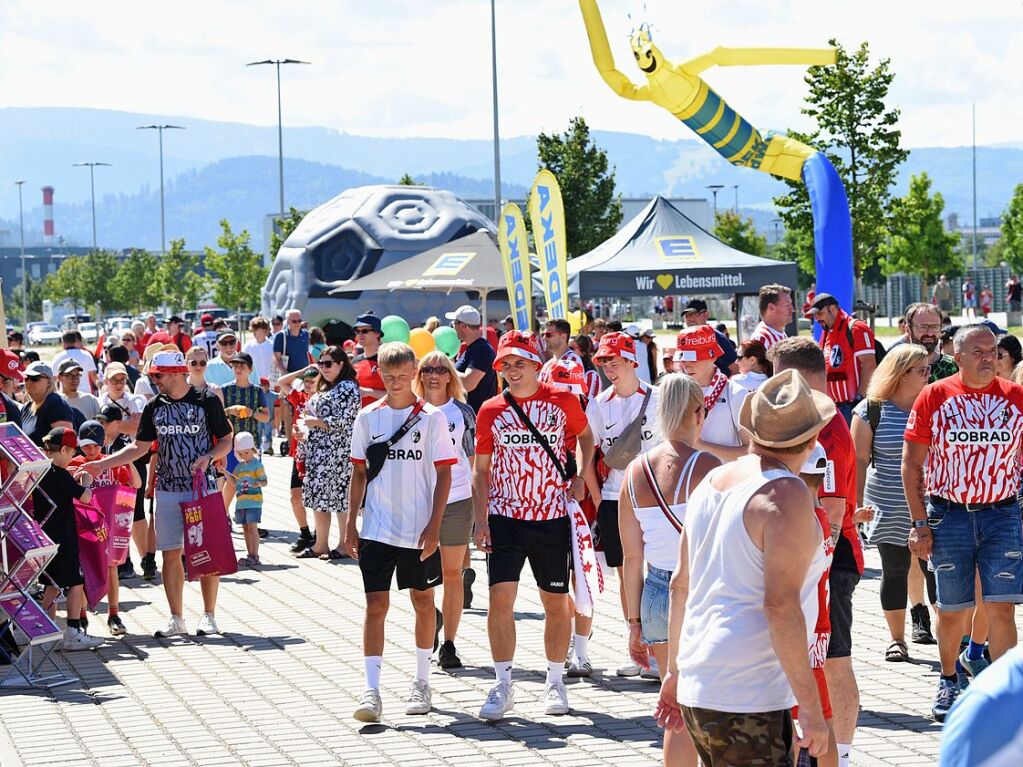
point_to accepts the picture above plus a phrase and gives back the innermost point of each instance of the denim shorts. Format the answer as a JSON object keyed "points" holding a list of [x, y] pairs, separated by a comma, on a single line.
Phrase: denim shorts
{"points": [[988, 542], [653, 608], [250, 516]]}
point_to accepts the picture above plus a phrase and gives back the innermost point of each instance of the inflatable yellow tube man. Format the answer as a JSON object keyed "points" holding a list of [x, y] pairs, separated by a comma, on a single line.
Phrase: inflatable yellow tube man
{"points": [[680, 89]]}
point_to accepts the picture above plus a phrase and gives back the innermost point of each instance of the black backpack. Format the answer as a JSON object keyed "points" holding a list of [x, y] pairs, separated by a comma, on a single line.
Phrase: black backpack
{"points": [[879, 350]]}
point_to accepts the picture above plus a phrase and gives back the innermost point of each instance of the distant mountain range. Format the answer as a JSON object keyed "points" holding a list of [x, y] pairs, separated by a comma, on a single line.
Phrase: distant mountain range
{"points": [[218, 170]]}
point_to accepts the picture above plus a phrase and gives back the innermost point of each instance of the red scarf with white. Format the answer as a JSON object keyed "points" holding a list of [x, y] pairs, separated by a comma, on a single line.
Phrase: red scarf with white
{"points": [[589, 576], [717, 385]]}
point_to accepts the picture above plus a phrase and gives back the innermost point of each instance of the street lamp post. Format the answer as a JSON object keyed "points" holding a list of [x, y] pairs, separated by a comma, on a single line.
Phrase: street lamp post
{"points": [[24, 273], [160, 129], [497, 132], [714, 189], [92, 183], [736, 188], [280, 128], [777, 236]]}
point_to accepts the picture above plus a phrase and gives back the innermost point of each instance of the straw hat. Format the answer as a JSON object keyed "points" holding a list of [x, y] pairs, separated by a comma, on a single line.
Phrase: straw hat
{"points": [[784, 411]]}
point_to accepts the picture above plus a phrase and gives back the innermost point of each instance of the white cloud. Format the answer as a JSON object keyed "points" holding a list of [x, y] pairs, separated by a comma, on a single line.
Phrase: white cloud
{"points": [[397, 67]]}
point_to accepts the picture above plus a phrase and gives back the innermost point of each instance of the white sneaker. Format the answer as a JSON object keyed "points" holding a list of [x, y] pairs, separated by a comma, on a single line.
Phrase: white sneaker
{"points": [[651, 673], [370, 707], [76, 639], [175, 625], [629, 668], [500, 700], [419, 698], [579, 668], [207, 625], [555, 699]]}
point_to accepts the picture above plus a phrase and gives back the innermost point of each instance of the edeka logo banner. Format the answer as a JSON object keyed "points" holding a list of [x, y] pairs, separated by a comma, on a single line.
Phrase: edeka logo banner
{"points": [[511, 239], [449, 264], [547, 214], [678, 249]]}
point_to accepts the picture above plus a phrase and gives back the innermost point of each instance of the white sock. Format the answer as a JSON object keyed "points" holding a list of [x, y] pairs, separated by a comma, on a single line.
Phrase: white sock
{"points": [[373, 664], [503, 670], [555, 671], [843, 754], [581, 647], [423, 663]]}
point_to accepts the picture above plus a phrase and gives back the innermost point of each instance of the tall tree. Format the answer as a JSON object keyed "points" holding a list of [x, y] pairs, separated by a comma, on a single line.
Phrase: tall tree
{"points": [[68, 282], [236, 271], [860, 135], [919, 242], [285, 226], [1011, 242], [592, 210], [36, 293], [407, 180], [740, 233], [180, 283], [135, 286]]}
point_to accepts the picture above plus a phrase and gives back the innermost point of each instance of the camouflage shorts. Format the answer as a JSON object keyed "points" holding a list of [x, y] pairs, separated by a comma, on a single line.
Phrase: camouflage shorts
{"points": [[731, 740]]}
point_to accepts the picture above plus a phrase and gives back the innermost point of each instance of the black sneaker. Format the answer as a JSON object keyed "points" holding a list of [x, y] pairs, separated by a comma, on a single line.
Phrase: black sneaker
{"points": [[285, 449], [126, 571], [149, 567], [468, 578], [302, 543], [263, 533], [448, 656], [921, 625], [115, 626], [436, 633]]}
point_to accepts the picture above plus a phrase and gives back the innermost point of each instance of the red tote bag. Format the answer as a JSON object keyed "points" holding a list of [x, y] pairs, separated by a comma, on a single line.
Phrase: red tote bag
{"points": [[208, 546], [93, 545], [118, 505]]}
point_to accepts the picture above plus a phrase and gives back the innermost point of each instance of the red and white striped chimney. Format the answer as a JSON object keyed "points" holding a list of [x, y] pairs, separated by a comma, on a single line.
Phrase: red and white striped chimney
{"points": [[48, 233]]}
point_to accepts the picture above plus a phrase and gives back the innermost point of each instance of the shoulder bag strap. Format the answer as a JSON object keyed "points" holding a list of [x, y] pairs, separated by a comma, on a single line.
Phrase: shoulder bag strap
{"points": [[648, 472], [536, 435], [412, 420], [873, 418]]}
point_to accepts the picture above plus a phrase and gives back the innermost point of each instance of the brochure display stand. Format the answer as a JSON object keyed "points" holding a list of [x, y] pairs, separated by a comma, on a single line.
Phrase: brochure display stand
{"points": [[25, 550]]}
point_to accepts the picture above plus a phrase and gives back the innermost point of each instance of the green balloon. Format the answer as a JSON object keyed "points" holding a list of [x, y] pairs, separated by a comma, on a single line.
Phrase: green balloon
{"points": [[447, 340], [395, 328]]}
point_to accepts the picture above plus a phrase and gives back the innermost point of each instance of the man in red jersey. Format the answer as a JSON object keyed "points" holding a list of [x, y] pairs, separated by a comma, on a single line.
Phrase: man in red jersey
{"points": [[838, 497], [521, 500], [848, 345], [967, 430]]}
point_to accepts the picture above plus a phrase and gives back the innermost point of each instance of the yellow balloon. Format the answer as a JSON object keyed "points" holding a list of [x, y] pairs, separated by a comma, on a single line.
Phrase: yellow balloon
{"points": [[421, 341], [575, 320]]}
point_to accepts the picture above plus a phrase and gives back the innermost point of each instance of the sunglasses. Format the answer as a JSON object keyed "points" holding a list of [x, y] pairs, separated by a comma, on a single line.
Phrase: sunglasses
{"points": [[294, 322], [155, 376], [70, 375], [197, 363], [326, 364], [363, 331], [127, 340], [431, 370], [34, 379], [119, 380]]}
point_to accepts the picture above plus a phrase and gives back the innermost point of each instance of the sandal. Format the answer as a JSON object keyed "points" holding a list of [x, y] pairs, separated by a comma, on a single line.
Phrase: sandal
{"points": [[309, 554], [897, 652], [334, 554]]}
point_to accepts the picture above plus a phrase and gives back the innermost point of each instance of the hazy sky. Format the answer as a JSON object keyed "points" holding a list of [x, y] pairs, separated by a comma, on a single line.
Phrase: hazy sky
{"points": [[404, 68]]}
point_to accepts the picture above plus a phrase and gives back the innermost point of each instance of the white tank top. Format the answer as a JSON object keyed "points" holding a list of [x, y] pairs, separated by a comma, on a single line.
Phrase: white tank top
{"points": [[726, 661], [660, 535]]}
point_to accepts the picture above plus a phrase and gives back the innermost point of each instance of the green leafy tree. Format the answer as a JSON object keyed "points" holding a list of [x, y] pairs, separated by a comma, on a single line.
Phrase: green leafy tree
{"points": [[68, 282], [919, 242], [36, 293], [859, 133], [135, 285], [740, 233], [797, 247], [180, 284], [407, 180], [592, 210], [1011, 242], [100, 269], [236, 271], [283, 229]]}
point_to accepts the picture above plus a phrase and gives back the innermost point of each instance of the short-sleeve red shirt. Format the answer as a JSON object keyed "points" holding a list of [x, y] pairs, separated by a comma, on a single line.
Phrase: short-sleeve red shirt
{"points": [[840, 356], [974, 436], [524, 484], [840, 482], [368, 372]]}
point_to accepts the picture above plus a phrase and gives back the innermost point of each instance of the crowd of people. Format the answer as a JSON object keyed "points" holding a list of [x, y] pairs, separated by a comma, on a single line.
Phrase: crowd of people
{"points": [[730, 489]]}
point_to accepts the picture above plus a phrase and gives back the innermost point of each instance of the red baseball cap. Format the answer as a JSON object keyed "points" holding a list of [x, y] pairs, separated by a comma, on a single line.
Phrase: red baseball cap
{"points": [[60, 437], [698, 344], [206, 319], [617, 345], [519, 344], [568, 375], [10, 365]]}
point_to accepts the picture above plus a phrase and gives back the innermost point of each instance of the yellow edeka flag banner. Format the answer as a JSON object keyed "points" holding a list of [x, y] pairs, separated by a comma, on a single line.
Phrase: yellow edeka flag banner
{"points": [[511, 239], [547, 214]]}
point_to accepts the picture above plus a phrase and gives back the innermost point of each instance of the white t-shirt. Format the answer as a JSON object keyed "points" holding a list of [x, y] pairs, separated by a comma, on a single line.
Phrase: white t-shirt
{"points": [[643, 362], [262, 357], [751, 380], [399, 501], [462, 430], [207, 339], [609, 414], [721, 427], [130, 404], [84, 359]]}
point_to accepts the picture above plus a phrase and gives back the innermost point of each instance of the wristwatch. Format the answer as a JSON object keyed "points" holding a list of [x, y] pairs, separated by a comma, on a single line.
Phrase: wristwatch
{"points": [[917, 523]]}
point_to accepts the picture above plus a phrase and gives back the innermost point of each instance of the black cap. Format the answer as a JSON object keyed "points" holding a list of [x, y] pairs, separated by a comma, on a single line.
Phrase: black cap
{"points": [[695, 305], [110, 413], [368, 320], [242, 357], [175, 318], [91, 432], [226, 334], [822, 300]]}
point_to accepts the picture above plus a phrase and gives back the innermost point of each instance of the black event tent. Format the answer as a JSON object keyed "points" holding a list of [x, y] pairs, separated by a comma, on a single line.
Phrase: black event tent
{"points": [[662, 252]]}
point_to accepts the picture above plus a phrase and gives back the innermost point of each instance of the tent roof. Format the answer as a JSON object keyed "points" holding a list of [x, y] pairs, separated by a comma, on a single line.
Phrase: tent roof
{"points": [[470, 263], [662, 251]]}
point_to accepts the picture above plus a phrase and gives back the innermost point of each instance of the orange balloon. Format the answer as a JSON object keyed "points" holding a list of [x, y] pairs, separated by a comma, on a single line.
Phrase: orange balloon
{"points": [[421, 341]]}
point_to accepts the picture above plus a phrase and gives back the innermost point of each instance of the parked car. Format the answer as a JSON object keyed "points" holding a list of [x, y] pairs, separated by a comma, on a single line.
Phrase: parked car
{"points": [[45, 335], [89, 331]]}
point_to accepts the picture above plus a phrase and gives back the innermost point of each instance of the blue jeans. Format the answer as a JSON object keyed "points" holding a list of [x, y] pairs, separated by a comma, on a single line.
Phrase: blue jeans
{"points": [[653, 608], [266, 430], [988, 541]]}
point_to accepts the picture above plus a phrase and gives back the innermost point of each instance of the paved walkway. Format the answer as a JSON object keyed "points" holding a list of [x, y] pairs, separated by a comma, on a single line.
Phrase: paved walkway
{"points": [[279, 686]]}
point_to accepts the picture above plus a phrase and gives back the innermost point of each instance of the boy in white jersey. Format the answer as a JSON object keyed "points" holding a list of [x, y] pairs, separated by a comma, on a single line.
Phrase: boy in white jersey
{"points": [[404, 505], [609, 414]]}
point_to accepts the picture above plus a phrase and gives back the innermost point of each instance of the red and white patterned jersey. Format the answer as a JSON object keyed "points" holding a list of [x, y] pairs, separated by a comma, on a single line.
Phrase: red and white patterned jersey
{"points": [[524, 484], [545, 371], [767, 335], [592, 378], [974, 436], [841, 358], [822, 630]]}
